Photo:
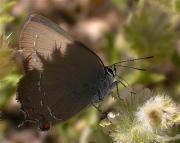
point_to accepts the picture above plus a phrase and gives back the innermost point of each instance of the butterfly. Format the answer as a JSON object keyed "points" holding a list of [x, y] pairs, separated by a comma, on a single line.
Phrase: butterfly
{"points": [[61, 76]]}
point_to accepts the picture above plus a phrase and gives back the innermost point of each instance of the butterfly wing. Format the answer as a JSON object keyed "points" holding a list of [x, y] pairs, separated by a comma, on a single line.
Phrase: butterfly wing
{"points": [[75, 80], [61, 75], [41, 35]]}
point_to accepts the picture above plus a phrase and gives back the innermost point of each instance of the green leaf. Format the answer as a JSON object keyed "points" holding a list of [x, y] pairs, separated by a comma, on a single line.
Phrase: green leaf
{"points": [[5, 19], [1, 41], [7, 6], [144, 77], [7, 88], [150, 32], [176, 5]]}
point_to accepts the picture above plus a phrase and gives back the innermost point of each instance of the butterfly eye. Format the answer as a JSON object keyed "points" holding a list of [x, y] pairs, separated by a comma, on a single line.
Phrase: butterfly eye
{"points": [[110, 71]]}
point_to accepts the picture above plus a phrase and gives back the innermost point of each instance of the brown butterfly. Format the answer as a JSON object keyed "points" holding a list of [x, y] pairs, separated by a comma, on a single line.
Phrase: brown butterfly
{"points": [[62, 76]]}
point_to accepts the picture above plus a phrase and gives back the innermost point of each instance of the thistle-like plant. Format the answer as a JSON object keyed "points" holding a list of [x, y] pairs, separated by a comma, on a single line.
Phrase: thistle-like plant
{"points": [[143, 117]]}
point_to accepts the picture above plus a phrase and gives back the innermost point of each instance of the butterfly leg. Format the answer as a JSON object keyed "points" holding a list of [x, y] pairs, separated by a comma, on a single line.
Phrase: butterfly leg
{"points": [[115, 84], [103, 115], [96, 107]]}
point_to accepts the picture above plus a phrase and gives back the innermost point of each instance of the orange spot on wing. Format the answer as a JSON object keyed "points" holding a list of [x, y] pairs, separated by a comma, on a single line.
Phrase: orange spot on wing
{"points": [[29, 109], [45, 126]]}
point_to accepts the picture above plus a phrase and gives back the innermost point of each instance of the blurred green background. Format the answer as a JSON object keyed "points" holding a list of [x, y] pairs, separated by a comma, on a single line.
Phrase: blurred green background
{"points": [[116, 30]]}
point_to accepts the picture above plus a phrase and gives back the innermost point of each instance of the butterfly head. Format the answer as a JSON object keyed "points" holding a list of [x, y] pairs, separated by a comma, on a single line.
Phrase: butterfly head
{"points": [[110, 71]]}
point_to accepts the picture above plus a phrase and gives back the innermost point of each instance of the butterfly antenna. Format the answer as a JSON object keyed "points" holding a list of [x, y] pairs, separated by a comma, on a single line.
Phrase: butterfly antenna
{"points": [[141, 69], [133, 60]]}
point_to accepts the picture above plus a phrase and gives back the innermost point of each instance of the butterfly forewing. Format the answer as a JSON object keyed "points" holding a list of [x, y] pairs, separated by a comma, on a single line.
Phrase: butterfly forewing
{"points": [[38, 36]]}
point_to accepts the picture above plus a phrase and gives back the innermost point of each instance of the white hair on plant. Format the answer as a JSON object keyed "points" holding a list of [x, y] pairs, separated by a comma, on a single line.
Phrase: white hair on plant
{"points": [[158, 113]]}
